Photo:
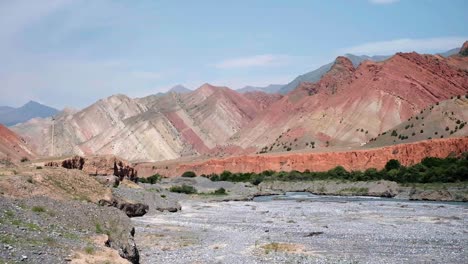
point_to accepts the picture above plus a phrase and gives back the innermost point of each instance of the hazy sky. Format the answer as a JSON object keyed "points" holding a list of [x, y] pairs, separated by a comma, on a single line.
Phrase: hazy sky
{"points": [[74, 52]]}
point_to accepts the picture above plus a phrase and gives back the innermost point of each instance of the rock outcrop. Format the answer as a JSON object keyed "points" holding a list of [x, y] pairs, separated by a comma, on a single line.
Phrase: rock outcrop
{"points": [[130, 209], [407, 154], [464, 49]]}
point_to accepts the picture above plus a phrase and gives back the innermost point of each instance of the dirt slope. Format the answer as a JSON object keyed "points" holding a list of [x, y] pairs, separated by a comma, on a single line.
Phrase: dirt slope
{"points": [[442, 120]]}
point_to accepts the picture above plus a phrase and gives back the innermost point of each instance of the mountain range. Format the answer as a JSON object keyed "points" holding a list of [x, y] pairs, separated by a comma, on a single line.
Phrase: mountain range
{"points": [[272, 88], [11, 116], [354, 102]]}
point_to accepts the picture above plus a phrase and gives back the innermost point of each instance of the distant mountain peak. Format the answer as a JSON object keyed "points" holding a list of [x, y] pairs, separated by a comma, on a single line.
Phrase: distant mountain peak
{"points": [[11, 116], [179, 88], [31, 102]]}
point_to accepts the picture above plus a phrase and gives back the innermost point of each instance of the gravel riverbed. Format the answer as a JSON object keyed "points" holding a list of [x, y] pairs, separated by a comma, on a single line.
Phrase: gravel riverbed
{"points": [[306, 231]]}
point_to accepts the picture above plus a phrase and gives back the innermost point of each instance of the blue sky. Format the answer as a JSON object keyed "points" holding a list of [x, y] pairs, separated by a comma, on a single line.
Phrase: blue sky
{"points": [[74, 52]]}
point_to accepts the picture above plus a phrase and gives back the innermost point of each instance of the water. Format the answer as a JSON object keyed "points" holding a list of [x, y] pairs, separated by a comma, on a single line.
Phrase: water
{"points": [[306, 196]]}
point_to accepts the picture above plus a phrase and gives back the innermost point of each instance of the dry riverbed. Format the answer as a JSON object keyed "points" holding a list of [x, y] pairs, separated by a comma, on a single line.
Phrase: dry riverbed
{"points": [[306, 231]]}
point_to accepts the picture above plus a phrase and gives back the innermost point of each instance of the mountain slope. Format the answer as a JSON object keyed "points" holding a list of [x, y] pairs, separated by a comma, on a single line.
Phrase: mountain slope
{"points": [[441, 120], [10, 116], [150, 128], [314, 76], [349, 106], [13, 147]]}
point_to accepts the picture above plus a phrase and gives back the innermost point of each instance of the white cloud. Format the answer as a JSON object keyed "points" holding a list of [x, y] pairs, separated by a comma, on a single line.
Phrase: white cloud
{"points": [[253, 61], [383, 2], [405, 45]]}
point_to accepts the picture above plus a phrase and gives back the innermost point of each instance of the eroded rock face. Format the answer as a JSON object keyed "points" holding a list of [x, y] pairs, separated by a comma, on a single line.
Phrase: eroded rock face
{"points": [[407, 154], [99, 165]]}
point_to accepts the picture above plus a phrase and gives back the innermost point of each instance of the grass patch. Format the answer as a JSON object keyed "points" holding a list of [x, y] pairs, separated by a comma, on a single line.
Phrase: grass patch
{"points": [[9, 214], [28, 226], [220, 191], [281, 247], [187, 189], [89, 250], [99, 229], [38, 209], [70, 236], [50, 241], [7, 239]]}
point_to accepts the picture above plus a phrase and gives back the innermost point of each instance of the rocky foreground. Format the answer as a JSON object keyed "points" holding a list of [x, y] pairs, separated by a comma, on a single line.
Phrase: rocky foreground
{"points": [[59, 215]]}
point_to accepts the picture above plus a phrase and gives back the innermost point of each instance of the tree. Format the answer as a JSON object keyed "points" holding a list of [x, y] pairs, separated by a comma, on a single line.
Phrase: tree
{"points": [[392, 164], [189, 174]]}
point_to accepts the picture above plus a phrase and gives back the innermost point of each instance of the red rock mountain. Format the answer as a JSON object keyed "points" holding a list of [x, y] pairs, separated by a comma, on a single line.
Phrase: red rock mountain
{"points": [[345, 109], [13, 147], [349, 106]]}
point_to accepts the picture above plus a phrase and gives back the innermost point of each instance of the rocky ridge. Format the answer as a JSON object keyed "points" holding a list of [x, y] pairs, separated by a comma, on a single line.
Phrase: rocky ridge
{"points": [[321, 161]]}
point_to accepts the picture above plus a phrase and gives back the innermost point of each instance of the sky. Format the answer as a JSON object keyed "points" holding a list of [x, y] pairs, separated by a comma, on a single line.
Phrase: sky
{"points": [[71, 53]]}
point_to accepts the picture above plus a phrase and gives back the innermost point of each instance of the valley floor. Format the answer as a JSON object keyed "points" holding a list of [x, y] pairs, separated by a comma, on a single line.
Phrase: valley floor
{"points": [[371, 230]]}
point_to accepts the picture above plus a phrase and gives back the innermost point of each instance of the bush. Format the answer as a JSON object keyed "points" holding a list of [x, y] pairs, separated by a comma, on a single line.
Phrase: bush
{"points": [[189, 174], [450, 169], [220, 191], [394, 133], [392, 164], [187, 189], [24, 159], [151, 180]]}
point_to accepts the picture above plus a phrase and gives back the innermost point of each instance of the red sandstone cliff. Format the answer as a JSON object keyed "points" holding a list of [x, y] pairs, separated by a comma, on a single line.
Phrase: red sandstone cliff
{"points": [[407, 154]]}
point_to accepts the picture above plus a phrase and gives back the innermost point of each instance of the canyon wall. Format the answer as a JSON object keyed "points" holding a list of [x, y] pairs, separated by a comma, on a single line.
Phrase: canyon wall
{"points": [[407, 154]]}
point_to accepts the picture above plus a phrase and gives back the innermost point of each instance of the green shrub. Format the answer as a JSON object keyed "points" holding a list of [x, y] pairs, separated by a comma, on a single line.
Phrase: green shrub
{"points": [[189, 174], [24, 159], [187, 189], [450, 169], [392, 164], [151, 180], [220, 191], [38, 209]]}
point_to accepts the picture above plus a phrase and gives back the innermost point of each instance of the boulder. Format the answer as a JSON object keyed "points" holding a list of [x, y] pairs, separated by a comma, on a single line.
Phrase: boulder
{"points": [[130, 209]]}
